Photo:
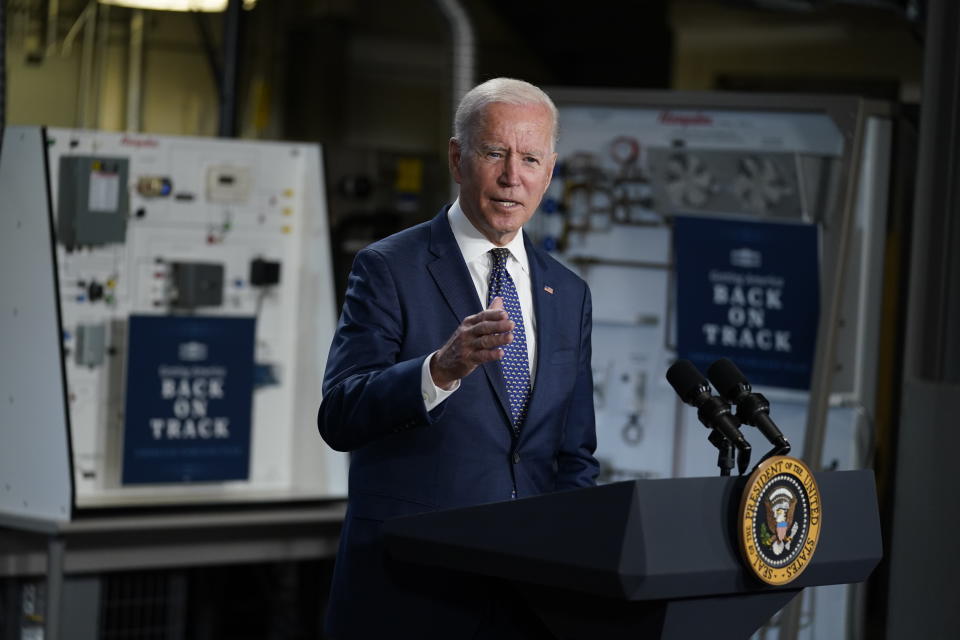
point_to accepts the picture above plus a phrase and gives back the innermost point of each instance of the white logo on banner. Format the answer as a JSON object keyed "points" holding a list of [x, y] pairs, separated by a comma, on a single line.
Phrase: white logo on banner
{"points": [[192, 351], [746, 258]]}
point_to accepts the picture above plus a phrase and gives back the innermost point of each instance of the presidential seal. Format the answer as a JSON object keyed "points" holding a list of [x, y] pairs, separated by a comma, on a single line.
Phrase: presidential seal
{"points": [[780, 518]]}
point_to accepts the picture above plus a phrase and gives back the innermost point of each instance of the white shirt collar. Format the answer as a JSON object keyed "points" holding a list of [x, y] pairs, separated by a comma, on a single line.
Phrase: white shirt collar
{"points": [[474, 245]]}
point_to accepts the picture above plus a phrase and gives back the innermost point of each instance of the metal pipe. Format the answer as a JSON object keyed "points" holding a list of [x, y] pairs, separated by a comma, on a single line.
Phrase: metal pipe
{"points": [[53, 26], [828, 328], [86, 64], [464, 56], [231, 56], [464, 48], [55, 552], [206, 38], [135, 72], [73, 32], [103, 42]]}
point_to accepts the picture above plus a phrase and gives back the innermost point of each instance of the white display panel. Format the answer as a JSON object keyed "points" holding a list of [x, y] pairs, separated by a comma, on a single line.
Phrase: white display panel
{"points": [[623, 172], [194, 202], [34, 453]]}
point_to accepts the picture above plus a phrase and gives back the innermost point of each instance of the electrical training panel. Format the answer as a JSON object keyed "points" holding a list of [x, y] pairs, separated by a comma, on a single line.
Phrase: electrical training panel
{"points": [[197, 306]]}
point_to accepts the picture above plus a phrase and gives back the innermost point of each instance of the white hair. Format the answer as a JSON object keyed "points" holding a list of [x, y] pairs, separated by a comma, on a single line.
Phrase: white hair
{"points": [[504, 90]]}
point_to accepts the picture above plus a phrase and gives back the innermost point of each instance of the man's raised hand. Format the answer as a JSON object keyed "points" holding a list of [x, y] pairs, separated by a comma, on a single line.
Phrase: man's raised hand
{"points": [[477, 340]]}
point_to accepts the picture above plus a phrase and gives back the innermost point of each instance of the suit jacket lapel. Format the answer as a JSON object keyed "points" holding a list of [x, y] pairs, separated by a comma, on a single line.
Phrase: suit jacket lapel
{"points": [[547, 321], [450, 273]]}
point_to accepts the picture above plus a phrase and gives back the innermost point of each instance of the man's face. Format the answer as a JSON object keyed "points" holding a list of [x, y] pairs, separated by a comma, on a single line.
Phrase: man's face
{"points": [[506, 169]]}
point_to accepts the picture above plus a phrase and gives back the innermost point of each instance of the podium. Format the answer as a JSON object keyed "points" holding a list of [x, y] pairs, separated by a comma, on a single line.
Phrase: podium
{"points": [[643, 558]]}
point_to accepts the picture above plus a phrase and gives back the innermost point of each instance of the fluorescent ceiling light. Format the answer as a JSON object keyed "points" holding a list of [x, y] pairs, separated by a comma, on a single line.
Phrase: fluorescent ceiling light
{"points": [[171, 5]]}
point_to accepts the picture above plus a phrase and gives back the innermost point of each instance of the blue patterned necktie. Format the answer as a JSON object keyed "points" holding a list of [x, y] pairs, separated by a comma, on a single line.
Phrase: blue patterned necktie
{"points": [[516, 370]]}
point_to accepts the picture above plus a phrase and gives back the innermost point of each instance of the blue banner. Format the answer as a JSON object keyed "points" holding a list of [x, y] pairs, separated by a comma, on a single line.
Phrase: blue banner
{"points": [[189, 399], [748, 291]]}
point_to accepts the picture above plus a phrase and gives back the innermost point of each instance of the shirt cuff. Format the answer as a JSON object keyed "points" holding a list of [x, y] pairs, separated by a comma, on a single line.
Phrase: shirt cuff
{"points": [[432, 394]]}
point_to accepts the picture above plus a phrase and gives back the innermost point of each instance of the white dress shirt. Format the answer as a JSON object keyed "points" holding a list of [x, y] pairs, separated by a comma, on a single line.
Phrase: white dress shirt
{"points": [[475, 249]]}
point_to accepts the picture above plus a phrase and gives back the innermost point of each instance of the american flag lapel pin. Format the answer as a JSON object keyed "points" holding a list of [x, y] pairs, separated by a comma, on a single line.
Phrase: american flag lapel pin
{"points": [[548, 290]]}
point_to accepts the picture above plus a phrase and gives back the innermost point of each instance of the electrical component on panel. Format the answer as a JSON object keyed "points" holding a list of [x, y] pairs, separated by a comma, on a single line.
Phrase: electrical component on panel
{"points": [[760, 184], [93, 201], [228, 184], [725, 181], [264, 273], [265, 375], [689, 180], [94, 290], [196, 284], [217, 233], [154, 186], [91, 345]]}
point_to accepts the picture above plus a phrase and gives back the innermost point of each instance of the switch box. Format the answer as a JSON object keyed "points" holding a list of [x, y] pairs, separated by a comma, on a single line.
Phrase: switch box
{"points": [[196, 284], [91, 345], [93, 200], [228, 184], [264, 273]]}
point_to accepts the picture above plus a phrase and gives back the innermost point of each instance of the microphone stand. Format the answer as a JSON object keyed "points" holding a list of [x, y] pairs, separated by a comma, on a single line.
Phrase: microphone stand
{"points": [[725, 448], [743, 460]]}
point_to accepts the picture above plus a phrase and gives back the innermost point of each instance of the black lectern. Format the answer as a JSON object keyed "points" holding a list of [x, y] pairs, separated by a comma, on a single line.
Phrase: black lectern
{"points": [[641, 559]]}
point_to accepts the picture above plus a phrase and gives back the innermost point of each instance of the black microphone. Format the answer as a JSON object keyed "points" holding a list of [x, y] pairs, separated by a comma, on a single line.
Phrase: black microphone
{"points": [[752, 408], [712, 411]]}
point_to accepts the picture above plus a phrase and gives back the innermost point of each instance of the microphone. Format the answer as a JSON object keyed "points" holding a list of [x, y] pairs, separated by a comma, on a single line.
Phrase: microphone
{"points": [[752, 408], [712, 411]]}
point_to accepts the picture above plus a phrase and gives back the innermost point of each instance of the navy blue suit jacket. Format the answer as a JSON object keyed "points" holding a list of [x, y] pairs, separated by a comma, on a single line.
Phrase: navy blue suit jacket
{"points": [[406, 295]]}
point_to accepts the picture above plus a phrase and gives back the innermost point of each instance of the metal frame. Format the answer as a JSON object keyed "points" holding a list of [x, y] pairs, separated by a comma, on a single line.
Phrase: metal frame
{"points": [[123, 542]]}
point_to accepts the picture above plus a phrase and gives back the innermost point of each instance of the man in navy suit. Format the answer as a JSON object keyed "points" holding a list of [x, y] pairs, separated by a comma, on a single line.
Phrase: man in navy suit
{"points": [[459, 375]]}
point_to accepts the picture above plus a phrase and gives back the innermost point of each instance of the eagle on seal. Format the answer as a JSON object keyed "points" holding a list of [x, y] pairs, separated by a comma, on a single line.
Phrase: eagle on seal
{"points": [[780, 508]]}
